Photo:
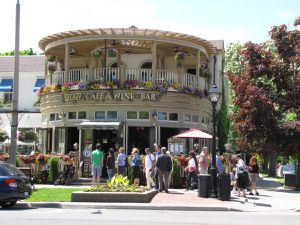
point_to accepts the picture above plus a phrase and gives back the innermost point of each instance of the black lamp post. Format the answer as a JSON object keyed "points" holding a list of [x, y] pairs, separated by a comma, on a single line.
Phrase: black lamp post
{"points": [[214, 95]]}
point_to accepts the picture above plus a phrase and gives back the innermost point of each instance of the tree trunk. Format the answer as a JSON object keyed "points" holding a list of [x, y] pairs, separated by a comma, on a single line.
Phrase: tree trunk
{"points": [[298, 172], [272, 164], [264, 165]]}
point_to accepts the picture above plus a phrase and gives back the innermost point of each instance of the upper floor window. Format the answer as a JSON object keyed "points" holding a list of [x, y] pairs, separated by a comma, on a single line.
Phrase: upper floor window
{"points": [[100, 115], [52, 117], [143, 115], [195, 119], [72, 115], [173, 116], [146, 65], [162, 116], [82, 115], [112, 115], [131, 115], [187, 118]]}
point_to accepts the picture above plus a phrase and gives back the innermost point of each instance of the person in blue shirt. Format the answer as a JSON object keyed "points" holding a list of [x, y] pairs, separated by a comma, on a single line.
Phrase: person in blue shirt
{"points": [[136, 164], [219, 164]]}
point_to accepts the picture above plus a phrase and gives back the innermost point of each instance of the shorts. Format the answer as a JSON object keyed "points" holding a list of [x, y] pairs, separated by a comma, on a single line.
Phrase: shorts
{"points": [[97, 171], [253, 178], [136, 172]]}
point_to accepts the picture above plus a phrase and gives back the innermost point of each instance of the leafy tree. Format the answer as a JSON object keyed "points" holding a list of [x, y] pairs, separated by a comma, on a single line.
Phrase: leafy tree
{"points": [[267, 93], [22, 52]]}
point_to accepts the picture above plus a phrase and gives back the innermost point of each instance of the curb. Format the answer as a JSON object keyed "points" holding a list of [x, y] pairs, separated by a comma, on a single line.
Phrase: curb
{"points": [[60, 205]]}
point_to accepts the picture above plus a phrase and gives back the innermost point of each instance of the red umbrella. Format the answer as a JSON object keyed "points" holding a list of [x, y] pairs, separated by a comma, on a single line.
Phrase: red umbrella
{"points": [[194, 133]]}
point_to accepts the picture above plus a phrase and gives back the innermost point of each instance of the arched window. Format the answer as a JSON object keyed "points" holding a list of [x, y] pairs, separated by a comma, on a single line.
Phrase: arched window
{"points": [[146, 65], [146, 72]]}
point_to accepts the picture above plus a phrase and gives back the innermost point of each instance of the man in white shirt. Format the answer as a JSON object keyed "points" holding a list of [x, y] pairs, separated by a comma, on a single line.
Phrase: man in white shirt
{"points": [[149, 167]]}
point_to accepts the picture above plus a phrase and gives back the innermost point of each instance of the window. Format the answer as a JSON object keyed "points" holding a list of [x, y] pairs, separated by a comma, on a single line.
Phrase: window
{"points": [[173, 116], [58, 116], [162, 116], [144, 115], [82, 115], [72, 115], [131, 115], [187, 118], [112, 115], [195, 119], [52, 117], [100, 115]]}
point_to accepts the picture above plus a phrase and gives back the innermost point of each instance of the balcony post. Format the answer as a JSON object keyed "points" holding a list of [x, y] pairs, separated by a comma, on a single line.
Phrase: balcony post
{"points": [[198, 64], [67, 55], [154, 61]]}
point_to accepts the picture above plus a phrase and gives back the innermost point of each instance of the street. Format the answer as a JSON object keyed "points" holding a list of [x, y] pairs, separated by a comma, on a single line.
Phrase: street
{"points": [[137, 217]]}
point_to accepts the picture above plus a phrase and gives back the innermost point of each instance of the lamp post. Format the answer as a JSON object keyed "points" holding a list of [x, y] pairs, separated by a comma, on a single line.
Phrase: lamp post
{"points": [[214, 95]]}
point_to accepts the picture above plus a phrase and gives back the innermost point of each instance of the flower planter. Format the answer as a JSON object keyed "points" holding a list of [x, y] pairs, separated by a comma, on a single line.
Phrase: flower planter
{"points": [[133, 197], [172, 89], [74, 87]]}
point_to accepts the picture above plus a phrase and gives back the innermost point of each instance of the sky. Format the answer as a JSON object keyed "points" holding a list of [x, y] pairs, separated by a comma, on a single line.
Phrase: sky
{"points": [[228, 20]]}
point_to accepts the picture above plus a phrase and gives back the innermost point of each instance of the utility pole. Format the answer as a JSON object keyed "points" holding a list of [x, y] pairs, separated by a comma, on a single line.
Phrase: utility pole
{"points": [[14, 122]]}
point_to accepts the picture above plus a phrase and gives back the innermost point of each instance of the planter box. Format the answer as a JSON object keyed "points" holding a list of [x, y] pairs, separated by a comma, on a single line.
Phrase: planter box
{"points": [[133, 197]]}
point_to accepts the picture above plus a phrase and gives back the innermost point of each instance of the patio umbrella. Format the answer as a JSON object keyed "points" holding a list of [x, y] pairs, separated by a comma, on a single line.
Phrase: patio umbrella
{"points": [[194, 133]]}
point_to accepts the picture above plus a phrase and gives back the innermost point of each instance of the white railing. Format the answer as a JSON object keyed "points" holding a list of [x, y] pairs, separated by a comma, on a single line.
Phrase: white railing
{"points": [[166, 76], [78, 75], [109, 74], [193, 80], [142, 75], [58, 77]]}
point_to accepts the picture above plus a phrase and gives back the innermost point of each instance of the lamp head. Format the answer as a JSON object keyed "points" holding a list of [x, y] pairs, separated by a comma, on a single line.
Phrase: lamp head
{"points": [[214, 94]]}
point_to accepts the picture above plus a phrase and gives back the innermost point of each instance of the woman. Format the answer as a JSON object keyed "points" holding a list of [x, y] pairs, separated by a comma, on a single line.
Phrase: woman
{"points": [[192, 168], [253, 172], [110, 164], [241, 175], [121, 161], [136, 164]]}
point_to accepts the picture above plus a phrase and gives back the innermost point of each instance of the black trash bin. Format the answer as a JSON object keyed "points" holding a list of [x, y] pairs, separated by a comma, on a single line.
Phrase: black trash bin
{"points": [[289, 180], [224, 188], [203, 185]]}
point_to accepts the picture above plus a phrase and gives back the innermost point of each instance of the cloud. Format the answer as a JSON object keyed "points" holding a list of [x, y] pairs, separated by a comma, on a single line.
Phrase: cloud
{"points": [[286, 14]]}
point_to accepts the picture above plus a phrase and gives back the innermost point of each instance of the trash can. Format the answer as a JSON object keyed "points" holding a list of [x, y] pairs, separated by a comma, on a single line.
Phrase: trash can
{"points": [[224, 187], [203, 185], [289, 180]]}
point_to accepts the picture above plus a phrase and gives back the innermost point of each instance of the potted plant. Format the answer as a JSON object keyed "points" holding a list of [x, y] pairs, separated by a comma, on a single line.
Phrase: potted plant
{"points": [[51, 58], [27, 136], [51, 67], [97, 52], [112, 52], [3, 135], [179, 57]]}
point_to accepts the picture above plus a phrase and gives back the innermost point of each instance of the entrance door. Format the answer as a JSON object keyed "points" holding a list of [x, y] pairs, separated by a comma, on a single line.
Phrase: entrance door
{"points": [[139, 137]]}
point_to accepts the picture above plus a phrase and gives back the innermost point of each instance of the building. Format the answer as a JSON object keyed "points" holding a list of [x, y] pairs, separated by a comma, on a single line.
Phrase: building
{"points": [[125, 87], [31, 79]]}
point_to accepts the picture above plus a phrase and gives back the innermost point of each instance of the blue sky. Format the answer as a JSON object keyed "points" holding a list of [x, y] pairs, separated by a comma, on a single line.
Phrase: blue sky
{"points": [[230, 20]]}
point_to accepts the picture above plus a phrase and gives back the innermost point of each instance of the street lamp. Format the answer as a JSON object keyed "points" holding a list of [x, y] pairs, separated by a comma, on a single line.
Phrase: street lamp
{"points": [[214, 95]]}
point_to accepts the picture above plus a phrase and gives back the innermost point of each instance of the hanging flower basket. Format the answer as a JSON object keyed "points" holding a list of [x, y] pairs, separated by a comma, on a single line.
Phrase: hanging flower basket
{"points": [[112, 52], [179, 57], [51, 67], [3, 135], [97, 52], [51, 58], [204, 72], [27, 136]]}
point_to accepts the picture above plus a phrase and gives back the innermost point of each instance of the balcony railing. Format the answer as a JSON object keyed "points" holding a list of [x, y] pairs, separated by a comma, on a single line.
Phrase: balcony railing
{"points": [[142, 75]]}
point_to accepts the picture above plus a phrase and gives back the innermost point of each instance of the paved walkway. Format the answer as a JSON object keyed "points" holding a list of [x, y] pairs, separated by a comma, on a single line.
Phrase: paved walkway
{"points": [[272, 198]]}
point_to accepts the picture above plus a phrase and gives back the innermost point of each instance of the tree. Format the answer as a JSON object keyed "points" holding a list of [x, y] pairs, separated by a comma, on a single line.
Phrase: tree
{"points": [[23, 52], [267, 92]]}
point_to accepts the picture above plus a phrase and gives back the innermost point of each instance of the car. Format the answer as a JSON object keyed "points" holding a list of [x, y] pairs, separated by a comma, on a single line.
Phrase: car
{"points": [[14, 185]]}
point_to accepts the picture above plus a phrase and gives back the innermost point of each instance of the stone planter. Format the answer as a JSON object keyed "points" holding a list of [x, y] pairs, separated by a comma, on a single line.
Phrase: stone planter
{"points": [[132, 197]]}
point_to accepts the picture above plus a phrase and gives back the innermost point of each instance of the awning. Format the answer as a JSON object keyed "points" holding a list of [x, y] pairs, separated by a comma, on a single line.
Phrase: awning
{"points": [[194, 133], [6, 85], [100, 125], [38, 84]]}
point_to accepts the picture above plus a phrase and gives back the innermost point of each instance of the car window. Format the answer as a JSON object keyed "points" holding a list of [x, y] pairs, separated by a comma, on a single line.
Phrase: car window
{"points": [[11, 170]]}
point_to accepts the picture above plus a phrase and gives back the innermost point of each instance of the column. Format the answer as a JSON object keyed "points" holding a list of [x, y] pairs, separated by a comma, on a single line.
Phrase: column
{"points": [[126, 134], [154, 61], [53, 140], [67, 55], [80, 153], [198, 62]]}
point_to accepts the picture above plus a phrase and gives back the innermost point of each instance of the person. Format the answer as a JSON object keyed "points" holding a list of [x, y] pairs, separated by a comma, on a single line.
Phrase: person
{"points": [[241, 175], [149, 168], [110, 163], [171, 173], [253, 173], [121, 161], [192, 168], [136, 164], [232, 168], [203, 161], [219, 164], [158, 152], [164, 167], [97, 163]]}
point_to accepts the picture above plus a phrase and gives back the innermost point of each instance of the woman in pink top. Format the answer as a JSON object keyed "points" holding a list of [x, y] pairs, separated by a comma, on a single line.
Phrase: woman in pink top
{"points": [[203, 161], [192, 169]]}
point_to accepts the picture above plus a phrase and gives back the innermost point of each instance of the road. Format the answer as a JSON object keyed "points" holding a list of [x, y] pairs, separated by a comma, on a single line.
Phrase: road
{"points": [[50, 216]]}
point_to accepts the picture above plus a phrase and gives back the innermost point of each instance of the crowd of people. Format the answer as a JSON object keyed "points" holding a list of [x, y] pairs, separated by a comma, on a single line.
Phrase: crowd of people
{"points": [[160, 166]]}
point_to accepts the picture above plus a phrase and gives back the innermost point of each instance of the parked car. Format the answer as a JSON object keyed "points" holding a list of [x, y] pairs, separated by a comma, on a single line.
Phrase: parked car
{"points": [[14, 185]]}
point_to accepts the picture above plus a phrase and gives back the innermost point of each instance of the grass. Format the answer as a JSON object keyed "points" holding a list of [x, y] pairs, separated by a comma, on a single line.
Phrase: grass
{"points": [[52, 195]]}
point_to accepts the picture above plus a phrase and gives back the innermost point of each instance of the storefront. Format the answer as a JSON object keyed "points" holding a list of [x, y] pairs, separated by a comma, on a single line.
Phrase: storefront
{"points": [[138, 96]]}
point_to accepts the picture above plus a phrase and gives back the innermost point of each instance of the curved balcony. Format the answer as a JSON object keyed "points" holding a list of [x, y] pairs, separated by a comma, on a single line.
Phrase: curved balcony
{"points": [[130, 74]]}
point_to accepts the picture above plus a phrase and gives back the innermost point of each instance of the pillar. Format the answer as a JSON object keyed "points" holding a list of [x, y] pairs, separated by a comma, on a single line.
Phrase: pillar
{"points": [[154, 60], [67, 55]]}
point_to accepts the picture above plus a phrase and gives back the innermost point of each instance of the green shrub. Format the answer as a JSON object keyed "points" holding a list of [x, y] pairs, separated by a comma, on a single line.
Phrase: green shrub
{"points": [[53, 170]]}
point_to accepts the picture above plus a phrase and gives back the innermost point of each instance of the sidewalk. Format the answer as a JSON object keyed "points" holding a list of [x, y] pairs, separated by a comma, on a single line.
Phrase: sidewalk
{"points": [[272, 198]]}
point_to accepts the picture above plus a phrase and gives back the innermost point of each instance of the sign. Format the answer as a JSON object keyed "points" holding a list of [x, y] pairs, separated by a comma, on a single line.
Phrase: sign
{"points": [[87, 153], [107, 95]]}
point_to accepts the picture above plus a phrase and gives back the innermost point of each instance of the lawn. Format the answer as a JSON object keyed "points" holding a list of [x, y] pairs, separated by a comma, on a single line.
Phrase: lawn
{"points": [[52, 195]]}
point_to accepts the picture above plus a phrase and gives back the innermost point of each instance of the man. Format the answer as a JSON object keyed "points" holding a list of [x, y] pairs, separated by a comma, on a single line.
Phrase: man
{"points": [[164, 167], [203, 161], [158, 152], [97, 163], [149, 167]]}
